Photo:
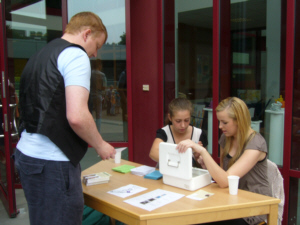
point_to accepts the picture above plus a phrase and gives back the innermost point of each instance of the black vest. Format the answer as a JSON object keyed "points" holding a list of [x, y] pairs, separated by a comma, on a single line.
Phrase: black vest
{"points": [[43, 102]]}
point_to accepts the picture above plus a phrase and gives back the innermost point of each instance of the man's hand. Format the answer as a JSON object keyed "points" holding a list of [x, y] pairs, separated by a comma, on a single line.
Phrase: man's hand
{"points": [[106, 151]]}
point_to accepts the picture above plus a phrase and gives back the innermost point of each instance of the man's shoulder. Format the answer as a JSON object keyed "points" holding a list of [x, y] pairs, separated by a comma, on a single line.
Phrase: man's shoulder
{"points": [[71, 53]]}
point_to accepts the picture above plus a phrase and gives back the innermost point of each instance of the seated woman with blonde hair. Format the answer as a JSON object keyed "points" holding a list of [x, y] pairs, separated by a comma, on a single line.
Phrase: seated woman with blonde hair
{"points": [[243, 153]]}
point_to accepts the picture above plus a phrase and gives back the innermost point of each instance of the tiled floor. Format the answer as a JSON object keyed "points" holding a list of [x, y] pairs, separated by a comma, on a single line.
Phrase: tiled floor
{"points": [[22, 218]]}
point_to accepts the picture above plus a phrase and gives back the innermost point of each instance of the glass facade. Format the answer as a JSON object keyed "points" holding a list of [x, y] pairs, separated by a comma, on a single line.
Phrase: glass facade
{"points": [[108, 83], [193, 59], [294, 192], [251, 66], [255, 65], [251, 63], [29, 27], [295, 153], [294, 202], [108, 99]]}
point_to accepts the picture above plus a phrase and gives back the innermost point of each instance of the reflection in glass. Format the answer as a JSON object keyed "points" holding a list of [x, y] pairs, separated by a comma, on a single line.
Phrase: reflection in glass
{"points": [[294, 202], [193, 58], [29, 27], [295, 152], [109, 104], [97, 91], [256, 67]]}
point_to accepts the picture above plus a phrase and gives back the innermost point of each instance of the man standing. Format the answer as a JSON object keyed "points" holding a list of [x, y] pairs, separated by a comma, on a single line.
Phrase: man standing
{"points": [[98, 85], [56, 125], [122, 89]]}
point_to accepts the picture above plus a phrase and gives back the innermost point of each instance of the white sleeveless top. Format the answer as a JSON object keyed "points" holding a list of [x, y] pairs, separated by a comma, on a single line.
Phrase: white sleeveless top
{"points": [[196, 133]]}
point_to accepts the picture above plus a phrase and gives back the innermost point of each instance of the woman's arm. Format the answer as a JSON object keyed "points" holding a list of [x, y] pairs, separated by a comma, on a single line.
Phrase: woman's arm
{"points": [[198, 158], [154, 152], [241, 167], [203, 141], [221, 153]]}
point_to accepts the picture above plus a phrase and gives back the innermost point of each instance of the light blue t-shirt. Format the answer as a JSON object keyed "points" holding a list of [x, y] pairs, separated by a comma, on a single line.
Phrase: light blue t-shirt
{"points": [[74, 65]]}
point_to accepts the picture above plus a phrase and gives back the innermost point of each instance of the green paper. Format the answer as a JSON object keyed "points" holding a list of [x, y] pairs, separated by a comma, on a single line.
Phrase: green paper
{"points": [[123, 168]]}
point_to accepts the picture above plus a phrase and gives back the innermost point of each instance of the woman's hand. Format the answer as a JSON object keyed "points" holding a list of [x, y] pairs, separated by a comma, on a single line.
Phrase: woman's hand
{"points": [[199, 158], [184, 145], [201, 162], [200, 143], [196, 154]]}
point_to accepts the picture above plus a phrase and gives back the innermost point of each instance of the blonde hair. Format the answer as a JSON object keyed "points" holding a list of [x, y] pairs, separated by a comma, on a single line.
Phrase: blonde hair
{"points": [[178, 104], [84, 20], [238, 111]]}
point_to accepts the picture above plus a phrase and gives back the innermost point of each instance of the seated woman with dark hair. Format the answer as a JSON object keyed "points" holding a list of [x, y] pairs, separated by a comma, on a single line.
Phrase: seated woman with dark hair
{"points": [[178, 128]]}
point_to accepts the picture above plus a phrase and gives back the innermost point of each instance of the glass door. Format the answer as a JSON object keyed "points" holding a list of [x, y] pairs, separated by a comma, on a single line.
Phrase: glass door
{"points": [[8, 129], [26, 26]]}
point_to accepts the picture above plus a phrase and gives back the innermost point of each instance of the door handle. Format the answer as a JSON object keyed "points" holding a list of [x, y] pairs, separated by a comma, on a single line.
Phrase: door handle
{"points": [[13, 124]]}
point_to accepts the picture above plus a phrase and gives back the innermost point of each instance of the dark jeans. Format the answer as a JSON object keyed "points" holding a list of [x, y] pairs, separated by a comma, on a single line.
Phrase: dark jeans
{"points": [[52, 189]]}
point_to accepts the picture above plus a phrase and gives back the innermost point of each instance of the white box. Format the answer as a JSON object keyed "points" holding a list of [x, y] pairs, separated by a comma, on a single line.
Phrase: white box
{"points": [[177, 169]]}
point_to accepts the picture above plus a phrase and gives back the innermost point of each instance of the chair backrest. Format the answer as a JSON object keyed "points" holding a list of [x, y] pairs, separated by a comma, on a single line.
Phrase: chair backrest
{"points": [[276, 185]]}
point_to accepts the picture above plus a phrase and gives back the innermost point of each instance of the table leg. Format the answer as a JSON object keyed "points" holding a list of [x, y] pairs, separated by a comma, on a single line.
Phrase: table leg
{"points": [[112, 221], [273, 215]]}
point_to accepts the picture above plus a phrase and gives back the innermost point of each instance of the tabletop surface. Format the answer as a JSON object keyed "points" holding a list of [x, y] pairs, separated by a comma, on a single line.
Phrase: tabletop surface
{"points": [[220, 201]]}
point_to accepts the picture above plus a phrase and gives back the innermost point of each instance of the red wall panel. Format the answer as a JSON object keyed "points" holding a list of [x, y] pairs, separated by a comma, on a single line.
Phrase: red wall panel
{"points": [[146, 69]]}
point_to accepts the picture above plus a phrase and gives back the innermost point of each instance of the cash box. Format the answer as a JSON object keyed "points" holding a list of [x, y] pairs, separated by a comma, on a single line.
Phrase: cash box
{"points": [[177, 169]]}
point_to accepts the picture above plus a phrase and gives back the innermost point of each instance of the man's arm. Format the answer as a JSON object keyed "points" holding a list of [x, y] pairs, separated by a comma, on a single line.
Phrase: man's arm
{"points": [[82, 122]]}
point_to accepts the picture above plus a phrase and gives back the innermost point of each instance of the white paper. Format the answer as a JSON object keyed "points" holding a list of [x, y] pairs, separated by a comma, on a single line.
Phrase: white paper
{"points": [[154, 199], [142, 170], [127, 190], [120, 149], [200, 195]]}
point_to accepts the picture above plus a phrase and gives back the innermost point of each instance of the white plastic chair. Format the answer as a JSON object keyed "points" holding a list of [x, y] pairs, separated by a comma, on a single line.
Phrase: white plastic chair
{"points": [[276, 184]]}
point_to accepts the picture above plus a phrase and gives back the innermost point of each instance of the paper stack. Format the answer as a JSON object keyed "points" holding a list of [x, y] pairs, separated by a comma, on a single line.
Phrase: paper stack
{"points": [[154, 175], [96, 178], [123, 169], [142, 170]]}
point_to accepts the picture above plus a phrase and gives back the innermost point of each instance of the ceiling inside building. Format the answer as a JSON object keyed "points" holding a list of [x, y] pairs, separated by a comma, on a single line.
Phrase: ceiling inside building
{"points": [[244, 15]]}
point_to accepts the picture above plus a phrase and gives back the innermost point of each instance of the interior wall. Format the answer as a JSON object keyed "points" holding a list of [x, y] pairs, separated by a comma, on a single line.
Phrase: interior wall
{"points": [[146, 69]]}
